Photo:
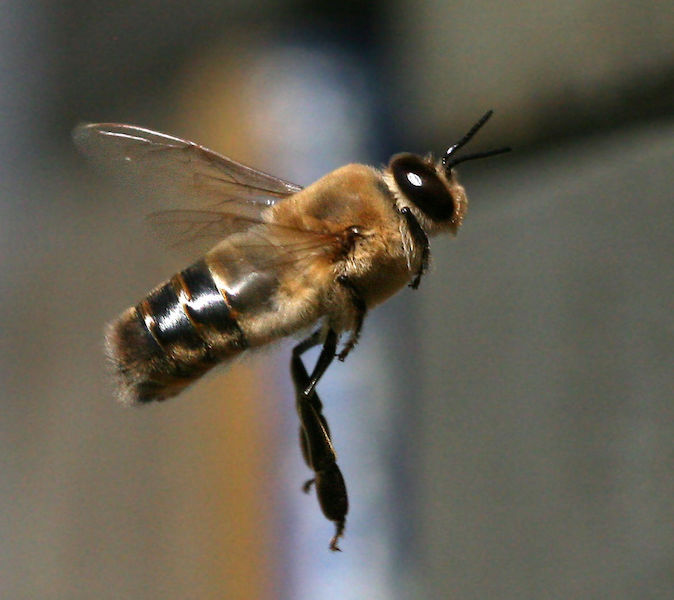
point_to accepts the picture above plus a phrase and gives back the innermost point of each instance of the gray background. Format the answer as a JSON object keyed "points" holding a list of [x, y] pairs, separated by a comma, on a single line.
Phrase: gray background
{"points": [[506, 431]]}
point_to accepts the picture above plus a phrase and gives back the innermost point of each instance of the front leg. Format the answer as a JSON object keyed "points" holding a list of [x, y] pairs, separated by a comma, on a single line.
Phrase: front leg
{"points": [[421, 239], [315, 441], [360, 309]]}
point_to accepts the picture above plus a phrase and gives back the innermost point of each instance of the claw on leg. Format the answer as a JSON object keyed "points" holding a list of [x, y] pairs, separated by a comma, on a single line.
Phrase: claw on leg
{"points": [[339, 532]]}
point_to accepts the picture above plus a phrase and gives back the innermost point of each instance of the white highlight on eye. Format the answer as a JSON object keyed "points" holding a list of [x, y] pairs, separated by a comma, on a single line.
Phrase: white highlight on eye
{"points": [[414, 179]]}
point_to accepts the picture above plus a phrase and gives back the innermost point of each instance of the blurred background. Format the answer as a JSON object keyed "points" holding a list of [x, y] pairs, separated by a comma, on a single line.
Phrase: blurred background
{"points": [[505, 431]]}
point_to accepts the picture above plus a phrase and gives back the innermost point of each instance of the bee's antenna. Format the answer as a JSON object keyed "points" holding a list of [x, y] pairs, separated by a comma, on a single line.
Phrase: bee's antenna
{"points": [[486, 154], [448, 162]]}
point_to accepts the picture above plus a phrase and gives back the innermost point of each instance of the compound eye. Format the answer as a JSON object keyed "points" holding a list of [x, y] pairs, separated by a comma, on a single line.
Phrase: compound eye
{"points": [[420, 184]]}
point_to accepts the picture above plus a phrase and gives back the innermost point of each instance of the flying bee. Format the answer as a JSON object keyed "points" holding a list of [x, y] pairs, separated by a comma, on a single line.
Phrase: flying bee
{"points": [[288, 259]]}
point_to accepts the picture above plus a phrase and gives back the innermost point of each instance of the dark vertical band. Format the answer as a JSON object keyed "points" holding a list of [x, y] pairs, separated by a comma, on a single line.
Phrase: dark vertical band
{"points": [[190, 314], [205, 304], [166, 320]]}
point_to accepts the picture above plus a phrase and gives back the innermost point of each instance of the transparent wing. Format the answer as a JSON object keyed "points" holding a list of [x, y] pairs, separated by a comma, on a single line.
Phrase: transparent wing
{"points": [[217, 196], [183, 227], [184, 162], [275, 247]]}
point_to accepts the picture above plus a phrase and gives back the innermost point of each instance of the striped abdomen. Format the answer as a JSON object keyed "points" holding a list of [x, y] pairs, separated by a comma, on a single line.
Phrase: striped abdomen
{"points": [[181, 330]]}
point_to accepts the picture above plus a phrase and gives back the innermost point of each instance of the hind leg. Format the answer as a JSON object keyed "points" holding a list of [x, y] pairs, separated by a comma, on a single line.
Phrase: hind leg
{"points": [[315, 442]]}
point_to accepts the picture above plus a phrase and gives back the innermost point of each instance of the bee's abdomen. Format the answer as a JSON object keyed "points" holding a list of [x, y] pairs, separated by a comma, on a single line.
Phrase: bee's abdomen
{"points": [[178, 332]]}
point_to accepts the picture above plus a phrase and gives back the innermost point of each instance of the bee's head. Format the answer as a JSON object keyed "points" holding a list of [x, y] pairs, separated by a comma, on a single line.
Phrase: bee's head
{"points": [[431, 187]]}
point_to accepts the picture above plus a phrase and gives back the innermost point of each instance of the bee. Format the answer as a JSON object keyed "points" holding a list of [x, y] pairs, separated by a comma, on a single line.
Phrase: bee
{"points": [[289, 259]]}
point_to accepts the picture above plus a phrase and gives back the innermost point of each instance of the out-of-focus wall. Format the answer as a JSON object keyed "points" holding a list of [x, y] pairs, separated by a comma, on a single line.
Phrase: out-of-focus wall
{"points": [[505, 431], [556, 69], [546, 394]]}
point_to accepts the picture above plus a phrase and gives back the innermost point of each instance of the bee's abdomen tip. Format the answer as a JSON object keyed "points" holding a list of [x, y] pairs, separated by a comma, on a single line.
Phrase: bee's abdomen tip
{"points": [[142, 370]]}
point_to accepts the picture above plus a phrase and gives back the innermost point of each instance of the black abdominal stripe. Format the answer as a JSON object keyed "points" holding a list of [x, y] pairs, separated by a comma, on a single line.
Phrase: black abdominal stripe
{"points": [[180, 330]]}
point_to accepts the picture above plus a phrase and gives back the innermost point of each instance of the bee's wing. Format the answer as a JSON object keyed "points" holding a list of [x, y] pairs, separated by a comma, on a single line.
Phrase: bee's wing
{"points": [[216, 195], [182, 161], [273, 248]]}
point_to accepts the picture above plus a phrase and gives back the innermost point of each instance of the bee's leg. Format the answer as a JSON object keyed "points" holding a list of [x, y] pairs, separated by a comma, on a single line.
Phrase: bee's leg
{"points": [[360, 309], [300, 378], [325, 358], [421, 239], [305, 385], [315, 442]]}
